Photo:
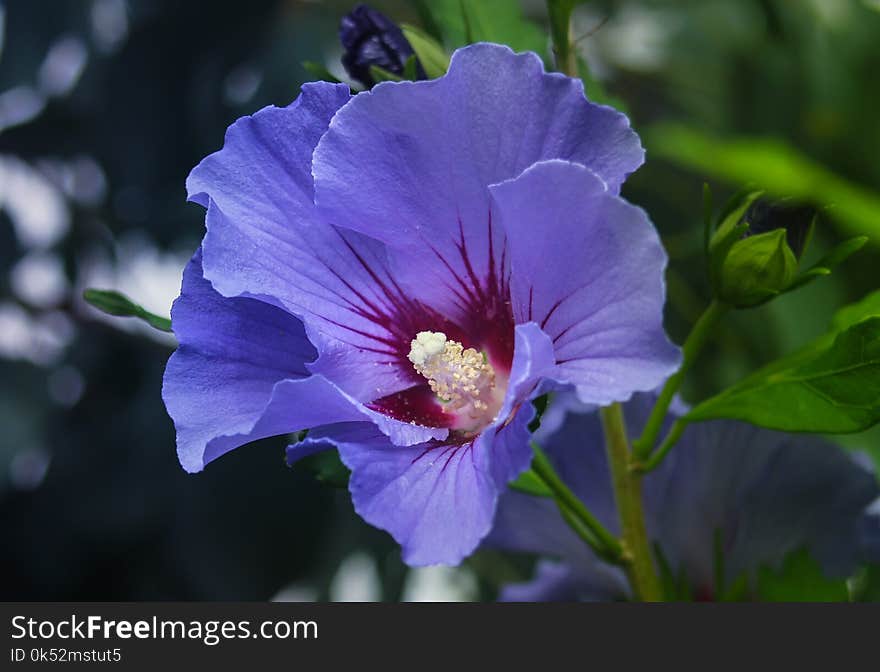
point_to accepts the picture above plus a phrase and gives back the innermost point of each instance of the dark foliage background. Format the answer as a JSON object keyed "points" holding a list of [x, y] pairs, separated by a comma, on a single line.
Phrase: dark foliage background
{"points": [[105, 106]]}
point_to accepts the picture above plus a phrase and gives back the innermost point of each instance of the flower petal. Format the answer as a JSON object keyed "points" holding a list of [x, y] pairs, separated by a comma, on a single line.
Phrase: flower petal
{"points": [[601, 299], [409, 163], [232, 353], [436, 499], [240, 374]]}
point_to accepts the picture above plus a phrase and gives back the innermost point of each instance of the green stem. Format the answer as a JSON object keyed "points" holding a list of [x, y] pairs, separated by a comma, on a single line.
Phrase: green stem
{"points": [[559, 12], [644, 445], [573, 510], [658, 455], [628, 496]]}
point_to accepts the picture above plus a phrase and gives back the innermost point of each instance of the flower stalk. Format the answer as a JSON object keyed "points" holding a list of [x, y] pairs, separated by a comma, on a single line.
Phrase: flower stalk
{"points": [[561, 31], [579, 518], [643, 446], [628, 497], [666, 445]]}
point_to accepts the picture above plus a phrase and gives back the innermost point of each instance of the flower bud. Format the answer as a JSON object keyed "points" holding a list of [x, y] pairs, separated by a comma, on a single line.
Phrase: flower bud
{"points": [[755, 251], [370, 38]]}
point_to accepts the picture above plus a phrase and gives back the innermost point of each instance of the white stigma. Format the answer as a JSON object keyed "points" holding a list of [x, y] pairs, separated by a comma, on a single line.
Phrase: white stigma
{"points": [[425, 345], [461, 378]]}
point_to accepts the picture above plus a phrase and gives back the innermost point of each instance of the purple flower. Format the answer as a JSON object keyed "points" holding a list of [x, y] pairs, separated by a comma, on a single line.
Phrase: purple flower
{"points": [[761, 494], [402, 271], [371, 38]]}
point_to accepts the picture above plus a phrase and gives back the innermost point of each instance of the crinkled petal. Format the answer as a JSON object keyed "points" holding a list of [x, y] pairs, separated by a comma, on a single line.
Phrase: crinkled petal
{"points": [[232, 353], [409, 163], [240, 374], [601, 299]]}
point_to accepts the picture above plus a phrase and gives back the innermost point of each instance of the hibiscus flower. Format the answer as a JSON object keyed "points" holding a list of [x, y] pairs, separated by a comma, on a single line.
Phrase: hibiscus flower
{"points": [[402, 271]]}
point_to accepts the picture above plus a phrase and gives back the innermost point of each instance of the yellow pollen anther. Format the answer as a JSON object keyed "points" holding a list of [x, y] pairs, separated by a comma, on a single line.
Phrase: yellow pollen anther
{"points": [[458, 376]]}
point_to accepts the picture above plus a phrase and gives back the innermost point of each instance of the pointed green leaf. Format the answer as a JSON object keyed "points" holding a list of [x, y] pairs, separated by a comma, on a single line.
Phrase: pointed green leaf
{"points": [[382, 75], [866, 584], [841, 252], [327, 468], [540, 405], [829, 390], [835, 257], [432, 55], [320, 72], [675, 586], [466, 21], [849, 315], [115, 303], [737, 591], [800, 579], [410, 68], [807, 277], [774, 165]]}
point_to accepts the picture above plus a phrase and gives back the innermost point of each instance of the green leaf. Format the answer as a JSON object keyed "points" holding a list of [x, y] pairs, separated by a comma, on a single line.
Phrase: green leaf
{"points": [[827, 390], [834, 258], [736, 591], [530, 483], [320, 72], [465, 21], [849, 315], [410, 68], [382, 75], [777, 167], [115, 303], [540, 405], [841, 252], [675, 587], [432, 55], [327, 468], [800, 579], [866, 584]]}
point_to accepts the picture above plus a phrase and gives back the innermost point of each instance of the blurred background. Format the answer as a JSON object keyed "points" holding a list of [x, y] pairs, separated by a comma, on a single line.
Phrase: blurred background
{"points": [[105, 106]]}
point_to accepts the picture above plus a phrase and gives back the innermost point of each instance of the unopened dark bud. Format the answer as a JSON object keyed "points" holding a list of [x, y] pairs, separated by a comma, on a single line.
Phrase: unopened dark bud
{"points": [[370, 38]]}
